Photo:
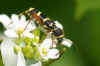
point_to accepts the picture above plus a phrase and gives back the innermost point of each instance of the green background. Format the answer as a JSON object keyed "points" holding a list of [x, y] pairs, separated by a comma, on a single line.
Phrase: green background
{"points": [[81, 21]]}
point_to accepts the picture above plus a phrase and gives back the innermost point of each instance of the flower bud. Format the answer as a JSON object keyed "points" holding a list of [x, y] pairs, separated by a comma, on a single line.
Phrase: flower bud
{"points": [[28, 51]]}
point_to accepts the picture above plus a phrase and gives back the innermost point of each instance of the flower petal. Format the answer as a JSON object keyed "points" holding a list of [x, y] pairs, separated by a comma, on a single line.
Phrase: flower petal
{"points": [[7, 51], [15, 19], [5, 20], [27, 34], [44, 47], [22, 19], [53, 54], [37, 64], [20, 59], [31, 25], [22, 22], [46, 43], [11, 33]]}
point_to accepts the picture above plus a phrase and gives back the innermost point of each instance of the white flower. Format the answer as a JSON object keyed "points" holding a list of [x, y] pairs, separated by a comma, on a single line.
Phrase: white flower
{"points": [[16, 24], [46, 50], [12, 26]]}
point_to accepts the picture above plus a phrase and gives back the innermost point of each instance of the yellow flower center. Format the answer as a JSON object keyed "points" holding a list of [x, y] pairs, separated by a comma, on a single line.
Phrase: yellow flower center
{"points": [[44, 51], [20, 30]]}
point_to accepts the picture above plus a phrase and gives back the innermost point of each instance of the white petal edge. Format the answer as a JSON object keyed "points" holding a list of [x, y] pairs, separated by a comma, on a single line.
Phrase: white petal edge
{"points": [[15, 19], [7, 51], [5, 20]]}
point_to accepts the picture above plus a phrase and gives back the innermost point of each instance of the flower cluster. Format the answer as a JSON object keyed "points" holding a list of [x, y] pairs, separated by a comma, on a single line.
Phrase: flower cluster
{"points": [[22, 44]]}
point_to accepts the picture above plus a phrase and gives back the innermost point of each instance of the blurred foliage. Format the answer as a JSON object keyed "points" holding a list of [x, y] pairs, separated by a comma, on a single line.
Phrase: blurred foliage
{"points": [[80, 19], [1, 62]]}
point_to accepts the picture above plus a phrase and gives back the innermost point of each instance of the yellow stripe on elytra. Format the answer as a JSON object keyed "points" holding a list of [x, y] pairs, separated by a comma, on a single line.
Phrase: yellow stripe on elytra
{"points": [[60, 36], [38, 14], [46, 19]]}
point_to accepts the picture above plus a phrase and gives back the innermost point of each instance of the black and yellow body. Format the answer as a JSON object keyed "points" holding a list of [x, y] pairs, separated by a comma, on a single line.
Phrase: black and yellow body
{"points": [[46, 23]]}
